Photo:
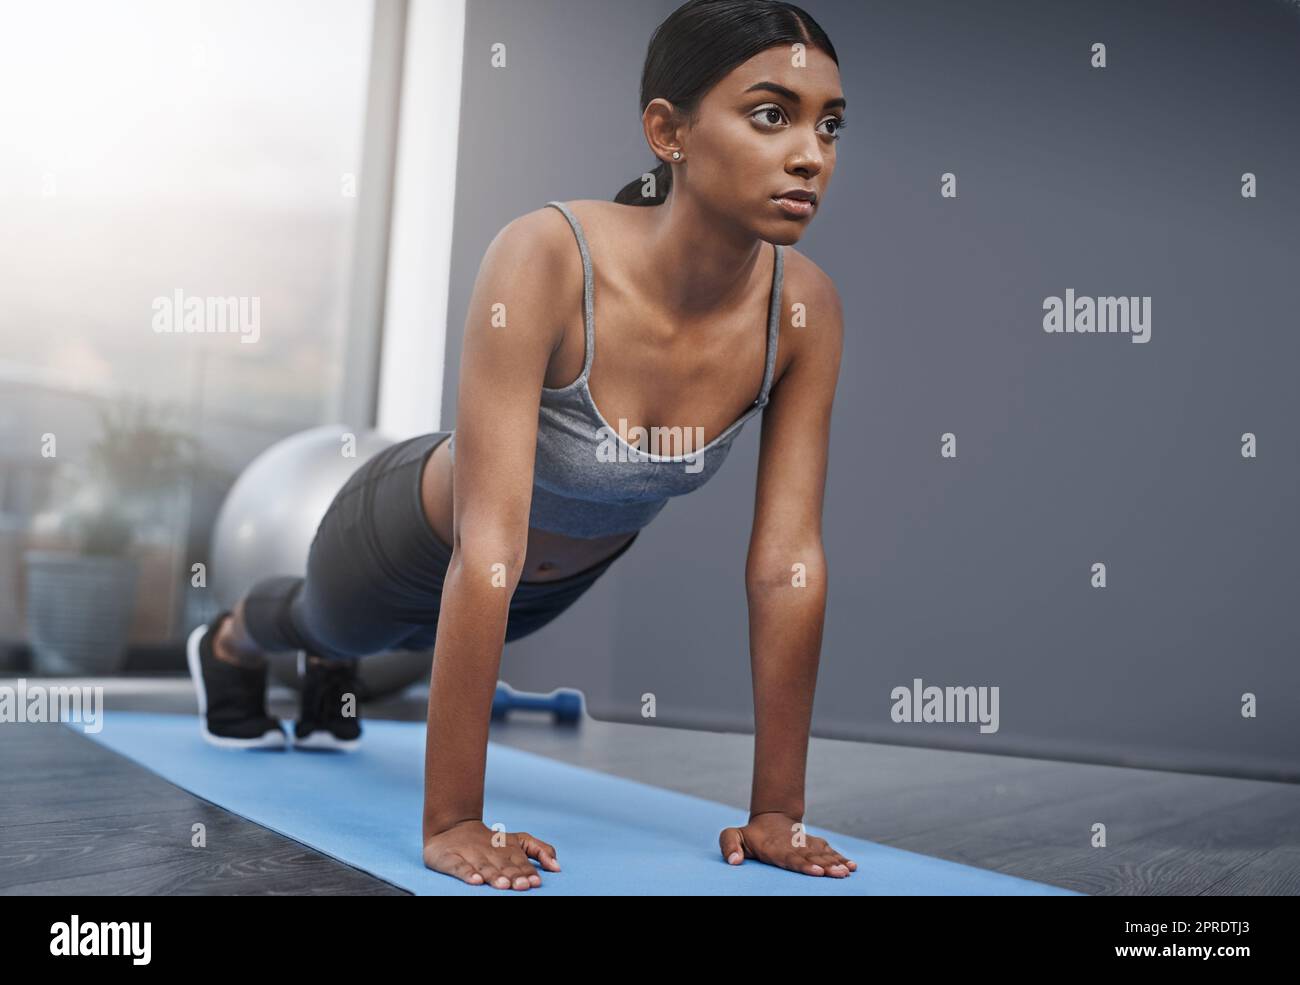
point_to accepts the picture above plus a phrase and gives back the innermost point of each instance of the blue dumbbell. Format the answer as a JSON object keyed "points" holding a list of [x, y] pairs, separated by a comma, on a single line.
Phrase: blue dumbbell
{"points": [[564, 703]]}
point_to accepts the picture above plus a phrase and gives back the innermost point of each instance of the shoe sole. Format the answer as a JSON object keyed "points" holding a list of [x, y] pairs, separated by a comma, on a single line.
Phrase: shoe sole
{"points": [[267, 740], [324, 740]]}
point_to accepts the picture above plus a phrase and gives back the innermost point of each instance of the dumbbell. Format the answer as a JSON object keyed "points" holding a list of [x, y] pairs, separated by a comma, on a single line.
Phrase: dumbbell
{"points": [[564, 703]]}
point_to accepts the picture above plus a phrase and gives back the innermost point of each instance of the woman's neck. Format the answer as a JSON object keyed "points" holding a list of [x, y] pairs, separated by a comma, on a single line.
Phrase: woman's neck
{"points": [[694, 261]]}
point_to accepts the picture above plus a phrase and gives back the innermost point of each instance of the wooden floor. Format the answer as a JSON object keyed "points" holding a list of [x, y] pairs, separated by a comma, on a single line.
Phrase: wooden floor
{"points": [[127, 831]]}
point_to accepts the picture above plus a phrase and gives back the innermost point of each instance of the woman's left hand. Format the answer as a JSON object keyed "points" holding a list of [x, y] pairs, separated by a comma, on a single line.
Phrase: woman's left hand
{"points": [[781, 840]]}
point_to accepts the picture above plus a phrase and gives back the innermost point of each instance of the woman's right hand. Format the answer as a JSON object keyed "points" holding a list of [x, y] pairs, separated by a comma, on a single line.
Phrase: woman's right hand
{"points": [[475, 853]]}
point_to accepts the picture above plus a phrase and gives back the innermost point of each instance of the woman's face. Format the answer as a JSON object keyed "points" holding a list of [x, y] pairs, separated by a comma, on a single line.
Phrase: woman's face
{"points": [[768, 127]]}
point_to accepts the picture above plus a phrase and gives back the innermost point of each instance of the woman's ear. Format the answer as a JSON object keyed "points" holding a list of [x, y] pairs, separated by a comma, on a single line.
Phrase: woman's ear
{"points": [[663, 130]]}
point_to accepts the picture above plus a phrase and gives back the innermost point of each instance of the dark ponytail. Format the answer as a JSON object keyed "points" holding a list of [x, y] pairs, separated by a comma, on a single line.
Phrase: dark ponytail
{"points": [[699, 43], [649, 189]]}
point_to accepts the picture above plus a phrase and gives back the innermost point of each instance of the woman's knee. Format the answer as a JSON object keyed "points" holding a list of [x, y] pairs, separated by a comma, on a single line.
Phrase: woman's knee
{"points": [[344, 628]]}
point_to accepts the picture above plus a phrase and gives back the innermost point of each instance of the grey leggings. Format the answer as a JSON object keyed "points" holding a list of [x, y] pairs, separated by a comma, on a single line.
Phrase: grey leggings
{"points": [[376, 568]]}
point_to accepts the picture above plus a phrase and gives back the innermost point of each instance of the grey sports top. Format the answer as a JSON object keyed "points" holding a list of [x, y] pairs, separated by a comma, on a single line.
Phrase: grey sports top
{"points": [[588, 481]]}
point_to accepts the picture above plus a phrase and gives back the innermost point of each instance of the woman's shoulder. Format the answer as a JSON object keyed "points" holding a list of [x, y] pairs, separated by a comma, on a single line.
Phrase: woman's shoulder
{"points": [[809, 294], [582, 209], [547, 229], [803, 273], [802, 280], [597, 216], [541, 225], [543, 240], [540, 250]]}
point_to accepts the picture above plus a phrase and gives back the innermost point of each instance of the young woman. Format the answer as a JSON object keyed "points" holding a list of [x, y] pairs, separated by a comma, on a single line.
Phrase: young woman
{"points": [[680, 315]]}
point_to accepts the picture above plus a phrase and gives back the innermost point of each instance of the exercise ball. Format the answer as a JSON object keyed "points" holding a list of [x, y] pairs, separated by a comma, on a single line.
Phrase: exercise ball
{"points": [[268, 520]]}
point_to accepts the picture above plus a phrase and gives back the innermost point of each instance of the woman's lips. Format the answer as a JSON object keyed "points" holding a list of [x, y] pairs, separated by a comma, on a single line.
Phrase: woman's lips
{"points": [[795, 207]]}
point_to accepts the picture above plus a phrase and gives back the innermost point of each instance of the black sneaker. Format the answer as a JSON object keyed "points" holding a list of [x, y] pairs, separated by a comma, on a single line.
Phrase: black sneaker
{"points": [[232, 700], [329, 689]]}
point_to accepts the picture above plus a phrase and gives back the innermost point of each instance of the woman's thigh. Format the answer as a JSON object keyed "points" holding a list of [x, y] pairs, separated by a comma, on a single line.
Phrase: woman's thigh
{"points": [[375, 569]]}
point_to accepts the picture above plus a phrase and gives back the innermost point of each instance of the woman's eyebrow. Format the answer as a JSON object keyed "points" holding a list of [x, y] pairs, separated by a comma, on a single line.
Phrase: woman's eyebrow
{"points": [[839, 102]]}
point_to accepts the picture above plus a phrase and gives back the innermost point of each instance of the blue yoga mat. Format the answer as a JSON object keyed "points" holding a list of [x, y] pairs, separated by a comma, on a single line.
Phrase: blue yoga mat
{"points": [[612, 835]]}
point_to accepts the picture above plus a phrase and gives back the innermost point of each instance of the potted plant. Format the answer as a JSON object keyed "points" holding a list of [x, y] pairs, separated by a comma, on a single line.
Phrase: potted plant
{"points": [[80, 602]]}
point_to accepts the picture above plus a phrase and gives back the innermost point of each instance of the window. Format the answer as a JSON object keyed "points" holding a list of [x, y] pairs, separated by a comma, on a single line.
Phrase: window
{"points": [[179, 184]]}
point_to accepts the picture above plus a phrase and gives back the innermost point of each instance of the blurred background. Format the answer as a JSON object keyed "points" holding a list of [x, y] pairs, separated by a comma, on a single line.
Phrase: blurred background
{"points": [[338, 167], [146, 147]]}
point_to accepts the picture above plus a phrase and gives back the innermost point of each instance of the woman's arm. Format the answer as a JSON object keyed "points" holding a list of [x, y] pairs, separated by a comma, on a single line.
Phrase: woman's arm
{"points": [[785, 582], [511, 331]]}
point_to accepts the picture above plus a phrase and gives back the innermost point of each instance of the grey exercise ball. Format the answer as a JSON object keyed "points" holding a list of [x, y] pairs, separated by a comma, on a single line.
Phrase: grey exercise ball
{"points": [[266, 525]]}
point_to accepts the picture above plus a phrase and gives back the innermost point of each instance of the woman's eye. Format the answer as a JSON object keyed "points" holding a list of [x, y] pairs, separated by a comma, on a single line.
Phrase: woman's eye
{"points": [[768, 109], [839, 125]]}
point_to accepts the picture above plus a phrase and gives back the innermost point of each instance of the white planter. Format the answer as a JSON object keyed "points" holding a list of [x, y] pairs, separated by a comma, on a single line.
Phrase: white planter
{"points": [[79, 610]]}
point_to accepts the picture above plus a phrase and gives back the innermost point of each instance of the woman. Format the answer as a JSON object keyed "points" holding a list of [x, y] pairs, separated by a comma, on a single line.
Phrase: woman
{"points": [[463, 541]]}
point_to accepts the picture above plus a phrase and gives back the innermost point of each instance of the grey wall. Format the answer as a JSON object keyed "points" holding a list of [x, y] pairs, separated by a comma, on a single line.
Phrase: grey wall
{"points": [[1072, 449]]}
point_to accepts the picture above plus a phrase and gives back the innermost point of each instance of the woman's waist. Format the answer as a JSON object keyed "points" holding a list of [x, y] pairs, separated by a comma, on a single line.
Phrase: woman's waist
{"points": [[551, 554]]}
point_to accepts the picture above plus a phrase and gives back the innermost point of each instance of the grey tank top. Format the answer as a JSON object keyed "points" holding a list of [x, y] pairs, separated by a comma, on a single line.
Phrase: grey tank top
{"points": [[588, 481]]}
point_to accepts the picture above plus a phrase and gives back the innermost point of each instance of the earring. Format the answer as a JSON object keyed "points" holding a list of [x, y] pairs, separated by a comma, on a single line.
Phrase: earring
{"points": [[677, 155]]}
